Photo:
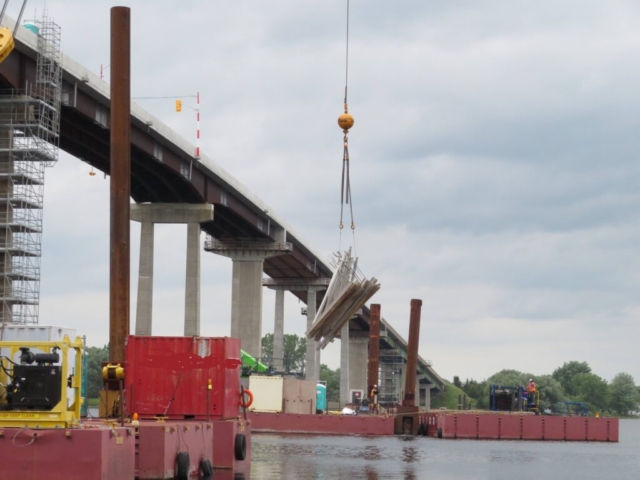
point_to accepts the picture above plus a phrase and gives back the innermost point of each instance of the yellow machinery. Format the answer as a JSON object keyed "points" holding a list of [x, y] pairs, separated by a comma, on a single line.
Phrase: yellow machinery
{"points": [[34, 380], [6, 43]]}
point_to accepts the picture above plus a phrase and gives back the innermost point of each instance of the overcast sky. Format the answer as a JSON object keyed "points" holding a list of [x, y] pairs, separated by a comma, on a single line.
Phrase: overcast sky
{"points": [[494, 165]]}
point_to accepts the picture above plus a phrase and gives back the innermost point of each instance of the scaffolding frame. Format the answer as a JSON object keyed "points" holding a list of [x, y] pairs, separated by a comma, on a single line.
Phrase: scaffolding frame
{"points": [[390, 377], [29, 142]]}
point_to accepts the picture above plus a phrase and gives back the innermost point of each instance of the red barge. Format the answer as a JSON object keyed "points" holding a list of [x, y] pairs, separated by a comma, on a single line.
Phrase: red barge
{"points": [[517, 426], [181, 416], [446, 425]]}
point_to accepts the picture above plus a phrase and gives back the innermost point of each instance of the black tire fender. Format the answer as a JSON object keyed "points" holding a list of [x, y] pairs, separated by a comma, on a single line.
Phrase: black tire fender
{"points": [[206, 467], [240, 447], [182, 466]]}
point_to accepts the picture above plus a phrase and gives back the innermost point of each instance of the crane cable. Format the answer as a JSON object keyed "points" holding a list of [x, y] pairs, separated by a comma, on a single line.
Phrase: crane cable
{"points": [[346, 121]]}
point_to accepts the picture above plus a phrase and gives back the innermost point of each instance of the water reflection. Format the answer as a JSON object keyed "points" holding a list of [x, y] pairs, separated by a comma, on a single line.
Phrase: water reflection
{"points": [[410, 455], [392, 458]]}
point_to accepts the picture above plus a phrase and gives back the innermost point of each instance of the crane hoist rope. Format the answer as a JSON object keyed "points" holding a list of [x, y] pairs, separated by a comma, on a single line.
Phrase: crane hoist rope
{"points": [[346, 121]]}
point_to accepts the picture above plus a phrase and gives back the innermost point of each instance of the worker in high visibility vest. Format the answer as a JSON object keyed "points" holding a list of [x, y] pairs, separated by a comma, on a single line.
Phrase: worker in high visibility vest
{"points": [[374, 398], [531, 392]]}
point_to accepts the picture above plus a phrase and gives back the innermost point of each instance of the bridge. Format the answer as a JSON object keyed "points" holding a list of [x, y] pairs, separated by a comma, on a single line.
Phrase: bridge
{"points": [[171, 185]]}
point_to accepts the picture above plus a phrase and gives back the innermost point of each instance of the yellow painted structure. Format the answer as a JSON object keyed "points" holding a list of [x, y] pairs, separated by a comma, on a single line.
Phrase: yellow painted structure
{"points": [[62, 415], [6, 43]]}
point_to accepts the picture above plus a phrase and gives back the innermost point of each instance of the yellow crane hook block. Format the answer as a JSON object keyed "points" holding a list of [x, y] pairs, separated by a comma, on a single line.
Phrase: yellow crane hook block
{"points": [[6, 43]]}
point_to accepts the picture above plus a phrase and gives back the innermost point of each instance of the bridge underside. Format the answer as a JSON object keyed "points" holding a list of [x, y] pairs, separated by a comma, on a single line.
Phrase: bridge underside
{"points": [[163, 170], [159, 172]]}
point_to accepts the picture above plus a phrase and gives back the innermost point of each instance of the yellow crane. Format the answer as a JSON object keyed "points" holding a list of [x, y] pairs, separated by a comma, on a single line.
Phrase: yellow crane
{"points": [[6, 35]]}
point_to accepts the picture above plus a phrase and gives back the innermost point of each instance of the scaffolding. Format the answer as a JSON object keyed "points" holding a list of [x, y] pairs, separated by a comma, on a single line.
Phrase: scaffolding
{"points": [[29, 139], [390, 377]]}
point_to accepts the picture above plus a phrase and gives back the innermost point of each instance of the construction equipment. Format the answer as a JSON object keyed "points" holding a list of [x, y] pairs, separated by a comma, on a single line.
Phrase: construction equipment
{"points": [[35, 380], [507, 399], [250, 364], [513, 399], [7, 43]]}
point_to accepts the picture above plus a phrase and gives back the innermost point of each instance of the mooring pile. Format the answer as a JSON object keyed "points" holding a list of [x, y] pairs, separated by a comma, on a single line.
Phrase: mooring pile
{"points": [[348, 291]]}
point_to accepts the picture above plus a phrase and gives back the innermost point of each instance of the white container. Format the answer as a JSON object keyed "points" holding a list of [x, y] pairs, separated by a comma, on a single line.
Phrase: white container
{"points": [[267, 393], [10, 332]]}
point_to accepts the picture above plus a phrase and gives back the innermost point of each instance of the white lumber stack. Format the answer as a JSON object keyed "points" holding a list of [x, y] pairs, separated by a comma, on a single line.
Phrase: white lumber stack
{"points": [[347, 293]]}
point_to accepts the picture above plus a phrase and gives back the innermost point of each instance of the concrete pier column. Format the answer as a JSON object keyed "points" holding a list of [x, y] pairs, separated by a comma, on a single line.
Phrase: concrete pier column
{"points": [[246, 304], [358, 361], [144, 305], [278, 332], [318, 364], [344, 365], [281, 285], [248, 258], [312, 370], [192, 284], [148, 214]]}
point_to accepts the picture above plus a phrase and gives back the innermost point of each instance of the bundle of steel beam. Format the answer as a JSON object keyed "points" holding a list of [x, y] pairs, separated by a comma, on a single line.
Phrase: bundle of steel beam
{"points": [[348, 291]]}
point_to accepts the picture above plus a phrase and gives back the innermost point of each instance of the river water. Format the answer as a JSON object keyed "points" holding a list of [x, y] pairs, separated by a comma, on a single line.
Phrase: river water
{"points": [[298, 457]]}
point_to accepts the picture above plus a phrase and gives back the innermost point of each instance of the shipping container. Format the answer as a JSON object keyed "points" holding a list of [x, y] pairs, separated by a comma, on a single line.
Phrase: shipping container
{"points": [[168, 376], [267, 393]]}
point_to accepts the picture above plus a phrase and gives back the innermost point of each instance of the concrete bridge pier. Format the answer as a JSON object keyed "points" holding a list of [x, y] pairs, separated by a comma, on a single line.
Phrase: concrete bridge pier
{"points": [[344, 365], [282, 285], [246, 289], [148, 214], [312, 362], [358, 360], [278, 332]]}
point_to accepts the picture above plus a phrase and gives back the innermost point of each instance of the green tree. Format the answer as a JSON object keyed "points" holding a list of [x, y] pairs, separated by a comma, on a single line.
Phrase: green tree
{"points": [[295, 349], [476, 391], [332, 377], [551, 391], [567, 373], [592, 389], [624, 394], [97, 355], [267, 348], [457, 382]]}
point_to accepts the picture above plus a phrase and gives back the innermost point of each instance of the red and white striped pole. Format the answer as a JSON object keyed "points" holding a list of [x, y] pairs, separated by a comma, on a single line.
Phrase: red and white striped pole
{"points": [[197, 125]]}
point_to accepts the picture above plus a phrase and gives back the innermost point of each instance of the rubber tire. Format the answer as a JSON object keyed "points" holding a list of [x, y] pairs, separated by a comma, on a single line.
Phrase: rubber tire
{"points": [[240, 448], [439, 432], [206, 468], [182, 466]]}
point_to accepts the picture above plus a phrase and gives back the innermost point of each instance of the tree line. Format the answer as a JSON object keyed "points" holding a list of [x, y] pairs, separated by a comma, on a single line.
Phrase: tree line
{"points": [[573, 381]]}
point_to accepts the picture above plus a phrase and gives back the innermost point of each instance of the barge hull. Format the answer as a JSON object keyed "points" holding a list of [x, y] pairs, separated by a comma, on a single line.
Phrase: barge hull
{"points": [[493, 426], [75, 454], [266, 422]]}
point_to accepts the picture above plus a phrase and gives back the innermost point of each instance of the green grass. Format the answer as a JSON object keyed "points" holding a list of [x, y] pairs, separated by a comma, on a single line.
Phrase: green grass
{"points": [[449, 399], [92, 402]]}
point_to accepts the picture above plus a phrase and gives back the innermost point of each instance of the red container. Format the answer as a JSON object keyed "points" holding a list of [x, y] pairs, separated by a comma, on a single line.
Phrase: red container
{"points": [[169, 376]]}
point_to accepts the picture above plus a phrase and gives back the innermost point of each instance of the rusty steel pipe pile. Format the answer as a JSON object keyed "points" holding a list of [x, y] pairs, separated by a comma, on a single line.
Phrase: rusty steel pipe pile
{"points": [[120, 125], [412, 353], [374, 346]]}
